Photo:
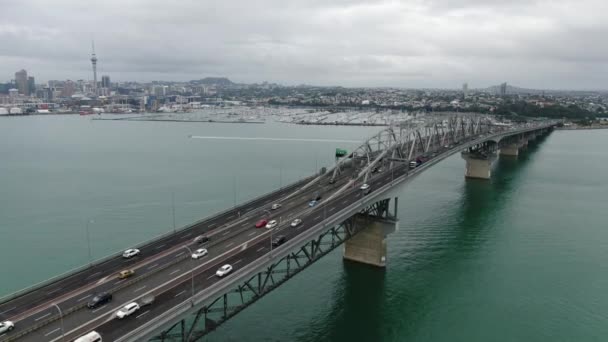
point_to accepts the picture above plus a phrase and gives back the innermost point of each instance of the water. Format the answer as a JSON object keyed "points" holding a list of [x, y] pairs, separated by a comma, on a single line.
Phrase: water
{"points": [[519, 258]]}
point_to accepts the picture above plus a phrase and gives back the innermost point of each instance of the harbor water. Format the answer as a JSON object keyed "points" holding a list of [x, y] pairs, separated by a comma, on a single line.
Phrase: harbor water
{"points": [[522, 257]]}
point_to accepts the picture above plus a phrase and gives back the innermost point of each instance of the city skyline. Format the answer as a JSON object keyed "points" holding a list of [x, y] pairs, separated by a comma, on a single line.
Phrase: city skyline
{"points": [[410, 44]]}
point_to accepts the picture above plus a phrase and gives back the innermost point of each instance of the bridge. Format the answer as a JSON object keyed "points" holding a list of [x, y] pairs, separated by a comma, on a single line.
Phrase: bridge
{"points": [[356, 208]]}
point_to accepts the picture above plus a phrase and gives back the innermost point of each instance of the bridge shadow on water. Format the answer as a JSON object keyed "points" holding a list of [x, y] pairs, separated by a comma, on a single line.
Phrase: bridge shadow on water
{"points": [[371, 304]]}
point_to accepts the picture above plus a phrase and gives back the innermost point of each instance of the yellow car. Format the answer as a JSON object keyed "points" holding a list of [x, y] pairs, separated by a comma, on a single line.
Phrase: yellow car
{"points": [[125, 274]]}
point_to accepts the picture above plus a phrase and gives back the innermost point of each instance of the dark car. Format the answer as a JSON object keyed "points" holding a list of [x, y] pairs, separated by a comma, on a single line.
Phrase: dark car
{"points": [[201, 239], [99, 299], [279, 240], [316, 197]]}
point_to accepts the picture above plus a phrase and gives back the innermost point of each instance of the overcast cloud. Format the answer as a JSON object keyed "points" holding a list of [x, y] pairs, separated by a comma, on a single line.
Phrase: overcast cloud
{"points": [[417, 43]]}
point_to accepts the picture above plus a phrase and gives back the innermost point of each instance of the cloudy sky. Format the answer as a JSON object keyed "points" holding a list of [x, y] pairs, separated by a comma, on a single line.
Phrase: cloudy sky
{"points": [[410, 43]]}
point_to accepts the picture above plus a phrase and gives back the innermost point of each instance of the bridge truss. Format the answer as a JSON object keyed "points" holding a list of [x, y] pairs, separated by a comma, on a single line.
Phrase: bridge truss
{"points": [[233, 301]]}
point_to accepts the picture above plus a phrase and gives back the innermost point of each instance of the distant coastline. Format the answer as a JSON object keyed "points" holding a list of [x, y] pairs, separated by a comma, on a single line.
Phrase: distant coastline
{"points": [[581, 127]]}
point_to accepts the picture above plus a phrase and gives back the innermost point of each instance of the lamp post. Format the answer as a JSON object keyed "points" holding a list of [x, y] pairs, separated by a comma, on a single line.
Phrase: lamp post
{"points": [[61, 319], [173, 210], [191, 268], [89, 240]]}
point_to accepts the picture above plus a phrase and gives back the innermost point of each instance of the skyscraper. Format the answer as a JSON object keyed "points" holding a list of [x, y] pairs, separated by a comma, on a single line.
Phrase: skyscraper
{"points": [[31, 85], [105, 82], [94, 63], [465, 89], [21, 81], [503, 89]]}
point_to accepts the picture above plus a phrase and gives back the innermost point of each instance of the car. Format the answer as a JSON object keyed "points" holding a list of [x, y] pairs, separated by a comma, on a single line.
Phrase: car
{"points": [[222, 271], [261, 223], [6, 326], [271, 224], [316, 197], [125, 274], [279, 240], [275, 206], [199, 253], [312, 203], [296, 222], [93, 336], [201, 239], [129, 253], [365, 188], [127, 310], [99, 300]]}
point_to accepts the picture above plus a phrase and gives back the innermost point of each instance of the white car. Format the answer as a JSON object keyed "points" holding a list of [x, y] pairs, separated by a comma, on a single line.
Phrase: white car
{"points": [[222, 271], [296, 222], [364, 186], [271, 224], [199, 253], [127, 310], [129, 253], [6, 326], [275, 206]]}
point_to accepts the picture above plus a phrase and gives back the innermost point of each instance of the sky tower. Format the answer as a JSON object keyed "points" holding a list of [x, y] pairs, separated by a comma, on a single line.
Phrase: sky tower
{"points": [[94, 62]]}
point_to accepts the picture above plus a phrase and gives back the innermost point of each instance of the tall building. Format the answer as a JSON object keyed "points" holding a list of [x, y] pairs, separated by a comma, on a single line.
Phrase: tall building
{"points": [[94, 63], [465, 89], [21, 81], [31, 85], [503, 89], [105, 82]]}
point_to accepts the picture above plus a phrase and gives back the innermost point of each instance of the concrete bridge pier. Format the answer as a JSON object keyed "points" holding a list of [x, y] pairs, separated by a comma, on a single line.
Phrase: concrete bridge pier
{"points": [[477, 165], [510, 150], [368, 246]]}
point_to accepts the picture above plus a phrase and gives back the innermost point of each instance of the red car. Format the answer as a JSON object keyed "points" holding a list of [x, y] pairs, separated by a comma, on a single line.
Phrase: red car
{"points": [[261, 223]]}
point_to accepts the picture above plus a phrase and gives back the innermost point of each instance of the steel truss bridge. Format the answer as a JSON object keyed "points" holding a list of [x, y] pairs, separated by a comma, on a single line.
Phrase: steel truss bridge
{"points": [[190, 300]]}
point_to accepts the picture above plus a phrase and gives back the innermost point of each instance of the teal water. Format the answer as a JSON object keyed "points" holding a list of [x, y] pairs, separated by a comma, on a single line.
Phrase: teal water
{"points": [[519, 258]]}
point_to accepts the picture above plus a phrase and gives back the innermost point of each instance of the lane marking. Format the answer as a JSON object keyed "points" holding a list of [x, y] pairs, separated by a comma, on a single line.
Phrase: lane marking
{"points": [[179, 294], [318, 217], [141, 288], [252, 233], [226, 233], [172, 273], [212, 225], [94, 274], [52, 332], [345, 202], [245, 224], [236, 262], [14, 307], [159, 247], [41, 317], [261, 249], [230, 217], [212, 276], [55, 290], [151, 267], [180, 254], [120, 281], [142, 314], [99, 308], [186, 235], [102, 280], [83, 298], [230, 244], [290, 203], [332, 208]]}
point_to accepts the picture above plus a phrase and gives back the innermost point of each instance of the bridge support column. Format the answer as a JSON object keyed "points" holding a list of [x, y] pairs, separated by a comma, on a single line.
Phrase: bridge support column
{"points": [[510, 150], [368, 246], [478, 166]]}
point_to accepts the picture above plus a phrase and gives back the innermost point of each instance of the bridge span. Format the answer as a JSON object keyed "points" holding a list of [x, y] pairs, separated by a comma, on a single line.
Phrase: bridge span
{"points": [[356, 206]]}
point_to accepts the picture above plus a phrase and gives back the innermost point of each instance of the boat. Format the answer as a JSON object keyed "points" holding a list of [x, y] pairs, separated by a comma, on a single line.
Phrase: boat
{"points": [[3, 111]]}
